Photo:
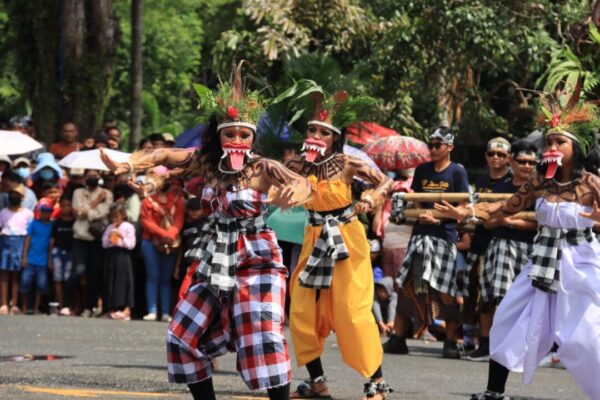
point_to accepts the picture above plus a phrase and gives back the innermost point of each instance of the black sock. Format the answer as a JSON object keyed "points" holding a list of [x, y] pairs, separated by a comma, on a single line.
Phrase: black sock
{"points": [[497, 377], [315, 369], [378, 374], [484, 342], [203, 390], [554, 348], [280, 392]]}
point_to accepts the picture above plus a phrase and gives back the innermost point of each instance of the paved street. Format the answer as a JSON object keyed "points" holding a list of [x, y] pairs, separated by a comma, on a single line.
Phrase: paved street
{"points": [[126, 360]]}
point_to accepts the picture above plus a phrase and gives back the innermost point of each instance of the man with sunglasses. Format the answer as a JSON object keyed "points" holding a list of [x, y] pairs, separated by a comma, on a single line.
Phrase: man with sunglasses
{"points": [[496, 156], [509, 248], [428, 277]]}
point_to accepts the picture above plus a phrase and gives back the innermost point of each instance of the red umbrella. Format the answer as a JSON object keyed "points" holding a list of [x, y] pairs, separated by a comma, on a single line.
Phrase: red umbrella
{"points": [[366, 132], [397, 152]]}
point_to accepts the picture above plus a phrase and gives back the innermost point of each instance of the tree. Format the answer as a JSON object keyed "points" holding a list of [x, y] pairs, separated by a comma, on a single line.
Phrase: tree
{"points": [[66, 80], [137, 15]]}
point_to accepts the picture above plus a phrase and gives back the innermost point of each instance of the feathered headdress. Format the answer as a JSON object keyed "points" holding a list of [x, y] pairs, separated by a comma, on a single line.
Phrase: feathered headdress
{"points": [[575, 119], [340, 111], [230, 104]]}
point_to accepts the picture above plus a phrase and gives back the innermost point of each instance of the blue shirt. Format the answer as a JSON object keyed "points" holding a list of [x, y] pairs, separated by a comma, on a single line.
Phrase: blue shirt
{"points": [[39, 233], [453, 179]]}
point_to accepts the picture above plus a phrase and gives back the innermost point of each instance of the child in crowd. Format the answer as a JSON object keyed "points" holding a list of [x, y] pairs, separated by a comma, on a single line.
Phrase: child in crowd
{"points": [[52, 191], [119, 240], [60, 249], [14, 221], [36, 251], [384, 302], [190, 232]]}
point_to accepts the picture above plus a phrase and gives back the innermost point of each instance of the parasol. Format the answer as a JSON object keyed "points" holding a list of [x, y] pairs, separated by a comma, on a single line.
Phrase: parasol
{"points": [[397, 152], [90, 159], [15, 142]]}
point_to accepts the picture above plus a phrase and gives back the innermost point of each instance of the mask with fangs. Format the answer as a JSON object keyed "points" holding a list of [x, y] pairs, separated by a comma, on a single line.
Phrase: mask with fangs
{"points": [[312, 148], [236, 154], [554, 160]]}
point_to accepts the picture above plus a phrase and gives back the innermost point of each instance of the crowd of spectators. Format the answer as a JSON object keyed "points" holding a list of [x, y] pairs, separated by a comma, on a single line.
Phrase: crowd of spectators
{"points": [[107, 251]]}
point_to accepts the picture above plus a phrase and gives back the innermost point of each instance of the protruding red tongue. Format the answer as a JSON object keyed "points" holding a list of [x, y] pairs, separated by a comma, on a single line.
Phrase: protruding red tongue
{"points": [[311, 155], [551, 170], [236, 159]]}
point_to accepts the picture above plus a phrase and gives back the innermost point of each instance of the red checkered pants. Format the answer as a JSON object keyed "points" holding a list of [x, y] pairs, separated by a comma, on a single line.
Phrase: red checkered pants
{"points": [[250, 322]]}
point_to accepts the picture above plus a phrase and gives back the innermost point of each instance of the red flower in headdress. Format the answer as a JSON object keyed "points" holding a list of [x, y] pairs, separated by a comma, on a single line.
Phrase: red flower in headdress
{"points": [[555, 120], [323, 115], [232, 113]]}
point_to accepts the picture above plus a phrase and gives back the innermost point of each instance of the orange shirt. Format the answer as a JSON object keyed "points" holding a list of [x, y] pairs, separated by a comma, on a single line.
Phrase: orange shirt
{"points": [[62, 149], [151, 218]]}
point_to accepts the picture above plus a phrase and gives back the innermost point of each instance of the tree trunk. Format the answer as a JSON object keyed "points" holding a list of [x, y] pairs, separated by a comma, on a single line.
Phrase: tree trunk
{"points": [[137, 22], [65, 51]]}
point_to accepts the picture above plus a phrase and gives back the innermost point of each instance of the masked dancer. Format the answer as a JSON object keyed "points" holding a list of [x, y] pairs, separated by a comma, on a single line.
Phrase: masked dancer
{"points": [[332, 285], [556, 298], [236, 302]]}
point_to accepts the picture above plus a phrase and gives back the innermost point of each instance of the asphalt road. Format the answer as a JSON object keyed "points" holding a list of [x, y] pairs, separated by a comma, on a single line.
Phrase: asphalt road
{"points": [[126, 360]]}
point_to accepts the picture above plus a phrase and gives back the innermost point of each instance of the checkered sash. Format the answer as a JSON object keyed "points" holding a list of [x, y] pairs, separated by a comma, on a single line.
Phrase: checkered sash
{"points": [[504, 260], [438, 267], [547, 254], [329, 248], [217, 250]]}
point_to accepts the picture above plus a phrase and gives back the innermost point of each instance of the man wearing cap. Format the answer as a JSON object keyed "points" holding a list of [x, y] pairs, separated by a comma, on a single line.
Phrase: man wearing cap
{"points": [[68, 142], [496, 156], [158, 140], [428, 275], [169, 139]]}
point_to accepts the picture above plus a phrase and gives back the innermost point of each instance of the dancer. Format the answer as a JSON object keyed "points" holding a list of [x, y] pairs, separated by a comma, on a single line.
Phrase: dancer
{"points": [[557, 296], [332, 285], [509, 248], [237, 299]]}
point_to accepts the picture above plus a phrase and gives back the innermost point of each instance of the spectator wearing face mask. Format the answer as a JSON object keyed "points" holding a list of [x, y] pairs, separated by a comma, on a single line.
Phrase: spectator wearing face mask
{"points": [[10, 181], [46, 170], [22, 167], [91, 206]]}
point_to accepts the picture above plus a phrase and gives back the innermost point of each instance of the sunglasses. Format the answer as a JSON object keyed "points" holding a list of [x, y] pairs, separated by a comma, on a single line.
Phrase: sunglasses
{"points": [[435, 145], [533, 163], [491, 154]]}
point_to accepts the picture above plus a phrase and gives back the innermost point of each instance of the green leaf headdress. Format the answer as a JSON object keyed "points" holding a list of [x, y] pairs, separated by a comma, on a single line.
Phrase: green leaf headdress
{"points": [[572, 118], [340, 111], [230, 104]]}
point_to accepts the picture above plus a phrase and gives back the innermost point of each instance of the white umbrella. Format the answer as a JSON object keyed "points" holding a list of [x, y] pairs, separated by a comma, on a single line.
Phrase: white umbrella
{"points": [[14, 142], [90, 159]]}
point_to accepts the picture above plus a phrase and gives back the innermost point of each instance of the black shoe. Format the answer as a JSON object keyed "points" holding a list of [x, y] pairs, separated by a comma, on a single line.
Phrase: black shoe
{"points": [[451, 350], [395, 345], [487, 395], [466, 348], [482, 354]]}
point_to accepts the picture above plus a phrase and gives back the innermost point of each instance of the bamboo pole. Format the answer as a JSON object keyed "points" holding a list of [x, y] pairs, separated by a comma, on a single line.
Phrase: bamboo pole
{"points": [[451, 197], [415, 212]]}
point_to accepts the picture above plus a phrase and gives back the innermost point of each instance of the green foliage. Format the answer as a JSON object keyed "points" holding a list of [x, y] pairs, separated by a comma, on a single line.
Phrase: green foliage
{"points": [[172, 43]]}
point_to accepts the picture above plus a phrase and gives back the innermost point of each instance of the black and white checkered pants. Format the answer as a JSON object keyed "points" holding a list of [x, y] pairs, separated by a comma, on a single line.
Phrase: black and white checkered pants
{"points": [[504, 260]]}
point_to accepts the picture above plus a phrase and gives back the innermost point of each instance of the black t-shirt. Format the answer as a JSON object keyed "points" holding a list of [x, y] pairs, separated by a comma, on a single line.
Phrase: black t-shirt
{"points": [[482, 236], [62, 233], [507, 233], [427, 180]]}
